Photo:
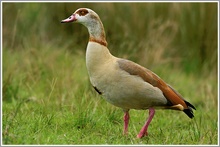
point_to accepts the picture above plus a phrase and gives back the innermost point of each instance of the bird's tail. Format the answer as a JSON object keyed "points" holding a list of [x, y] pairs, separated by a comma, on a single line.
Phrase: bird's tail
{"points": [[189, 111]]}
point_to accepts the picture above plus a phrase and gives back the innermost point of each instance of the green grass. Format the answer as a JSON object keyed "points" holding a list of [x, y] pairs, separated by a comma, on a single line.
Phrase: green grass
{"points": [[56, 104], [46, 94]]}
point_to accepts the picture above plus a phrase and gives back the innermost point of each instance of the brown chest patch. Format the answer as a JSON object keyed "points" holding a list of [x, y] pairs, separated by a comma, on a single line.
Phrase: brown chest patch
{"points": [[102, 42]]}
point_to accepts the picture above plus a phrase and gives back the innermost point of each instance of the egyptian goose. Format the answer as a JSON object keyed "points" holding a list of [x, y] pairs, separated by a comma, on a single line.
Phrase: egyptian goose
{"points": [[124, 83]]}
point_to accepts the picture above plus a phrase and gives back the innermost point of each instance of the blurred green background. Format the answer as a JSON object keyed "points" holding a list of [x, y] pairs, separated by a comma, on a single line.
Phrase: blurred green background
{"points": [[44, 66], [181, 34]]}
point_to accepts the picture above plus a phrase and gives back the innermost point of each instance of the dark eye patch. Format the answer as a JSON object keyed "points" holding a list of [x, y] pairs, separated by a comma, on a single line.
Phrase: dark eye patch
{"points": [[82, 12]]}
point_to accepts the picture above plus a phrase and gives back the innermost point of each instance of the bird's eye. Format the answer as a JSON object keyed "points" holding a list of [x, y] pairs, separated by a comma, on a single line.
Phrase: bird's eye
{"points": [[83, 12]]}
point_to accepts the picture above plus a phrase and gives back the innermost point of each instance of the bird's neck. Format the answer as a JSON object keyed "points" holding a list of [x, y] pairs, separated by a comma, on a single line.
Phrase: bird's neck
{"points": [[97, 32], [97, 53]]}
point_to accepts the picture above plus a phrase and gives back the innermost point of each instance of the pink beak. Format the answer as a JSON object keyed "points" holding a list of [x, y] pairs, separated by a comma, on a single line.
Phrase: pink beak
{"points": [[69, 19]]}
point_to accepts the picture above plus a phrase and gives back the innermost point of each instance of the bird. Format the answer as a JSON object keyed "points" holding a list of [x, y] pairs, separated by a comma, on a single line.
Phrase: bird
{"points": [[121, 82]]}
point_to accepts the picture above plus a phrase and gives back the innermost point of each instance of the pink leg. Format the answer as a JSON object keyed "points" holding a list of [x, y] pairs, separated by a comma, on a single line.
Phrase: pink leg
{"points": [[143, 131], [126, 121]]}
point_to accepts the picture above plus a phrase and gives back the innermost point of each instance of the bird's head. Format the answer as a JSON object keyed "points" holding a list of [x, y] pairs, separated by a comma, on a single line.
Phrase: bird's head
{"points": [[82, 15]]}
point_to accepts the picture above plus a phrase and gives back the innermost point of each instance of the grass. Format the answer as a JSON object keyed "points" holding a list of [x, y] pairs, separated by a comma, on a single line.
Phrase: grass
{"points": [[46, 94], [50, 106]]}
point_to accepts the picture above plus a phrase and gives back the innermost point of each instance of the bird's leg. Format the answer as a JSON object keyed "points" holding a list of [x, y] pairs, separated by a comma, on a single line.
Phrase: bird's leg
{"points": [[143, 131], [126, 121]]}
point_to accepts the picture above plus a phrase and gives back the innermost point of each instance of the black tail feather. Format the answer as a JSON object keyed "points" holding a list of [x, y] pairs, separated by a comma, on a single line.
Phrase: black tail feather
{"points": [[189, 105], [189, 111]]}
